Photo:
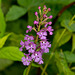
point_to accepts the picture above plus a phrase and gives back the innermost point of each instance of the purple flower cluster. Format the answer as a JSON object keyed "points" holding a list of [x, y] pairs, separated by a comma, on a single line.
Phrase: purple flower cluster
{"points": [[34, 47]]}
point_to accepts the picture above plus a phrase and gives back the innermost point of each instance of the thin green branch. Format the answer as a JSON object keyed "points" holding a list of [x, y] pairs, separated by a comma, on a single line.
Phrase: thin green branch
{"points": [[28, 69]]}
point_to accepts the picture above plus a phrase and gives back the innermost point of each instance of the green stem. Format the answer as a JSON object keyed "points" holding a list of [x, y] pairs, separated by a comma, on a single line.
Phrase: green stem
{"points": [[53, 52], [42, 69], [28, 68]]}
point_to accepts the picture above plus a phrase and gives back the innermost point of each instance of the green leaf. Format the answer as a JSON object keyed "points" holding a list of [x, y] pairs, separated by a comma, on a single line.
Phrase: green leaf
{"points": [[70, 57], [15, 39], [2, 23], [65, 15], [73, 42], [5, 63], [29, 3], [24, 73], [15, 12], [0, 3], [62, 64], [65, 23], [11, 53], [3, 40], [65, 37], [65, 2], [35, 65]]}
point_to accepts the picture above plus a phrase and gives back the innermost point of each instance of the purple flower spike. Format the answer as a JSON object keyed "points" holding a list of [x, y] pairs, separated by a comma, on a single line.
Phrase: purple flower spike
{"points": [[36, 13], [50, 16], [34, 47], [36, 22], [50, 23]]}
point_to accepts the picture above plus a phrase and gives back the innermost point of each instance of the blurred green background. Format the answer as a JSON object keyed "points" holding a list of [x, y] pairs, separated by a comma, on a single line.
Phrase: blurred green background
{"points": [[18, 14]]}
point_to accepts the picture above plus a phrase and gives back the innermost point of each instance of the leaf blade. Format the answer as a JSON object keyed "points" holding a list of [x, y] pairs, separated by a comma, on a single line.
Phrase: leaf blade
{"points": [[11, 53]]}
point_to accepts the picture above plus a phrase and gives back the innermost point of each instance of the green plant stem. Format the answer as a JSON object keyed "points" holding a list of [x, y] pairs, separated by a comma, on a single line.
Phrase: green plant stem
{"points": [[53, 52], [42, 69], [28, 69]]}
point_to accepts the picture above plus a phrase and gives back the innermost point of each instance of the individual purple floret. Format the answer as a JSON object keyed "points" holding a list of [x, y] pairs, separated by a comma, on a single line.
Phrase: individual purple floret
{"points": [[50, 23], [45, 46], [22, 45], [42, 34], [27, 37], [49, 29], [31, 47], [29, 29], [36, 13], [26, 60], [37, 56], [50, 16], [36, 22]]}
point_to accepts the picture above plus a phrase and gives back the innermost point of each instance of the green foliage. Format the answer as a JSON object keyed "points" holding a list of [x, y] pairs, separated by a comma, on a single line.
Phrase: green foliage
{"points": [[29, 3], [35, 65], [11, 53], [65, 2], [15, 39], [5, 63], [3, 40], [67, 25], [19, 15], [2, 24], [73, 42], [0, 3], [70, 57], [24, 73], [15, 12], [65, 37], [62, 65]]}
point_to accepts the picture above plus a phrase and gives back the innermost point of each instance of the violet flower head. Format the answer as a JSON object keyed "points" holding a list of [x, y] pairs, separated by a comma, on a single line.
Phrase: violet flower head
{"points": [[33, 47]]}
